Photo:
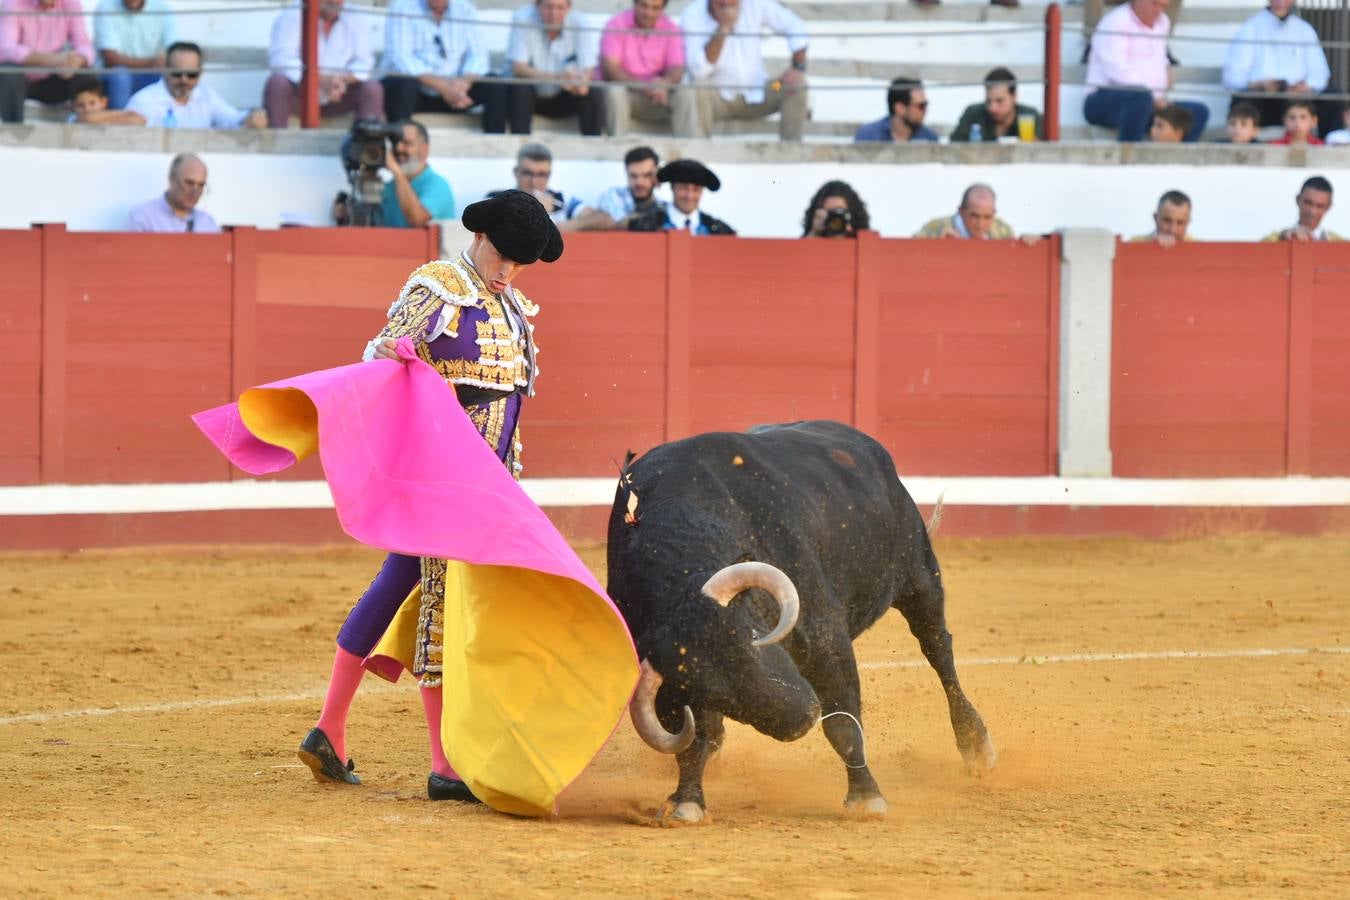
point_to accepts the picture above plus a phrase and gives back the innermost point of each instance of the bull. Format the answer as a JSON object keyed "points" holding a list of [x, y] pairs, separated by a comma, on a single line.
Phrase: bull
{"points": [[745, 565]]}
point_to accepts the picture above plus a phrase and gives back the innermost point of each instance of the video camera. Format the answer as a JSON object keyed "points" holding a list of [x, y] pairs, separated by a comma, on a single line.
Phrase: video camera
{"points": [[363, 155], [838, 223]]}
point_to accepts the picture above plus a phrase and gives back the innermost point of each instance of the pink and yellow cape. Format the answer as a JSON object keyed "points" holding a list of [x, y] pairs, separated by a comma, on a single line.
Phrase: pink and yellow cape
{"points": [[538, 663]]}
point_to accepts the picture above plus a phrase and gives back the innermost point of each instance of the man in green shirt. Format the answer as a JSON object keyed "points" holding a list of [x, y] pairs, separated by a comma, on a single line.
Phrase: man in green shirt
{"points": [[417, 195], [998, 116]]}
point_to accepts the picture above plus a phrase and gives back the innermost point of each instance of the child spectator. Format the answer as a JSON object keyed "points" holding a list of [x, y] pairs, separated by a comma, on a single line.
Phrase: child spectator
{"points": [[1300, 124], [1244, 123], [1170, 124], [89, 99], [1341, 135]]}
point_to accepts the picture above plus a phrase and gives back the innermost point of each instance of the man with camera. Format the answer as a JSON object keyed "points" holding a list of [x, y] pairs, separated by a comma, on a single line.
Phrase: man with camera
{"points": [[416, 195], [835, 211], [534, 167]]}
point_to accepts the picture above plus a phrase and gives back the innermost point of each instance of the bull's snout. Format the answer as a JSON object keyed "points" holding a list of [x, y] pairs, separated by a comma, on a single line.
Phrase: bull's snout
{"points": [[789, 723]]}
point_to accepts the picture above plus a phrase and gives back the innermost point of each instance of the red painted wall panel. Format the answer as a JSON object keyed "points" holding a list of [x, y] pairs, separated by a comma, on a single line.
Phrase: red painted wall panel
{"points": [[1330, 361], [1200, 339], [21, 350]]}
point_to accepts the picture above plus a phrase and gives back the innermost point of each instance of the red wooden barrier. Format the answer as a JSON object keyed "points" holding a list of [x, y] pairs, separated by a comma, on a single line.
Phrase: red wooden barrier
{"points": [[1320, 358], [21, 350]]}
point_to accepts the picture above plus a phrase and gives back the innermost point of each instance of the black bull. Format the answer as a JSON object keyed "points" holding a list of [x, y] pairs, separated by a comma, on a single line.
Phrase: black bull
{"points": [[822, 503]]}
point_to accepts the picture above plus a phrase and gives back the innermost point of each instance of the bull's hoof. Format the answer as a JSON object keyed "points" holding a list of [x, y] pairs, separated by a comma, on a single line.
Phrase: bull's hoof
{"points": [[866, 806], [980, 758], [678, 815]]}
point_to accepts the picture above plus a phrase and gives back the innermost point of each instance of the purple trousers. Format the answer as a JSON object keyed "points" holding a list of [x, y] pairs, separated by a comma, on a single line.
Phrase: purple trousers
{"points": [[281, 99], [372, 614]]}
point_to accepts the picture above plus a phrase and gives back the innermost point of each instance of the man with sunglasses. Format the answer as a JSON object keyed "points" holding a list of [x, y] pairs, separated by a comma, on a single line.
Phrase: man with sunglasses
{"points": [[47, 36], [436, 55], [907, 104], [534, 167], [179, 100]]}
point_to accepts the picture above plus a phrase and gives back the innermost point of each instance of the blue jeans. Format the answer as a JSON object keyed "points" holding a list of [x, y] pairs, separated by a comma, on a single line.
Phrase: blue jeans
{"points": [[121, 83], [1131, 112]]}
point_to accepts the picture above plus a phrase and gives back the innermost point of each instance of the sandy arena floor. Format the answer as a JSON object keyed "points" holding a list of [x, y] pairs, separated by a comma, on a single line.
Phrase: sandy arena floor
{"points": [[154, 700]]}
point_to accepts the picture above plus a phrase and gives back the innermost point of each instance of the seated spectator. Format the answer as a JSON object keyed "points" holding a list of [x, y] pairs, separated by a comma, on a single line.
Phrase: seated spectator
{"points": [[1275, 52], [906, 104], [1170, 124], [534, 167], [1341, 135], [346, 60], [687, 179], [619, 206], [1000, 115], [417, 195], [1314, 202], [1300, 124], [1170, 220], [180, 100], [1244, 124], [974, 220], [548, 46], [1128, 67], [849, 212], [90, 104], [642, 47], [725, 59], [32, 35], [175, 211], [437, 55], [133, 37], [1010, 4]]}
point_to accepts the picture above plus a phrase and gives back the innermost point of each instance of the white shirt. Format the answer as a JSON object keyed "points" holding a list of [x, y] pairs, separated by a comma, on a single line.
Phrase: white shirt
{"points": [[1128, 53], [345, 48], [685, 222], [1294, 56], [740, 68], [571, 50], [204, 109]]}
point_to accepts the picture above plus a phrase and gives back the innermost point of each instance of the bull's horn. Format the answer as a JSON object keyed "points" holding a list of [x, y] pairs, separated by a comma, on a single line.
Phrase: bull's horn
{"points": [[642, 708], [735, 578]]}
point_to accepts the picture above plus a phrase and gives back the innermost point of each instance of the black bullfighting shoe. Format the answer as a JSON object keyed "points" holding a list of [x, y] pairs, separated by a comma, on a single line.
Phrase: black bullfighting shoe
{"points": [[317, 752], [441, 788]]}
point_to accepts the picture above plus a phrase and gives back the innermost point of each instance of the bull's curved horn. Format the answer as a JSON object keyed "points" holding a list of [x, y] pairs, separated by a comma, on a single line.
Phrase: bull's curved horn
{"points": [[735, 578], [642, 709]]}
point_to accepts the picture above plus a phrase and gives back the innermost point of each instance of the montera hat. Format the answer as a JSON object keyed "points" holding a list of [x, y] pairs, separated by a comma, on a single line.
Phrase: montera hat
{"points": [[688, 171], [517, 225]]}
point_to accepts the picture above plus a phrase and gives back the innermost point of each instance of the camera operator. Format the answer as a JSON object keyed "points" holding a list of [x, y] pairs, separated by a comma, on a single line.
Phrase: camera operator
{"points": [[835, 211], [417, 195]]}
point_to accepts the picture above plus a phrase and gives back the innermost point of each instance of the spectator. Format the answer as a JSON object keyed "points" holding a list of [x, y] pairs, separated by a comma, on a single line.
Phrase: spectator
{"points": [[175, 211], [90, 103], [1341, 135], [1092, 17], [133, 37], [1170, 124], [417, 195], [1244, 123], [619, 206], [345, 58], [1000, 115], [1011, 4], [850, 213], [906, 105], [1128, 67], [547, 45], [975, 219], [727, 70], [437, 54], [180, 100], [643, 47], [687, 179], [1314, 202], [1300, 124], [534, 167], [33, 35], [1275, 52], [1170, 220]]}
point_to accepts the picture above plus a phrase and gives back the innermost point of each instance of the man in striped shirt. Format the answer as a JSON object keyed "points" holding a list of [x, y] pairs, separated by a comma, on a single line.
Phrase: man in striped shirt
{"points": [[437, 56]]}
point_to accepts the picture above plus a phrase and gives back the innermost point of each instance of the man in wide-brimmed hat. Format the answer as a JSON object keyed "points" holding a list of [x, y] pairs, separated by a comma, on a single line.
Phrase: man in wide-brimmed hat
{"points": [[688, 178]]}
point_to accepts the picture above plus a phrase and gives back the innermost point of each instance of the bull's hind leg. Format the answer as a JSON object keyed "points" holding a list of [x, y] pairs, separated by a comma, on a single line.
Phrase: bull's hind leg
{"points": [[686, 806], [923, 609], [835, 680]]}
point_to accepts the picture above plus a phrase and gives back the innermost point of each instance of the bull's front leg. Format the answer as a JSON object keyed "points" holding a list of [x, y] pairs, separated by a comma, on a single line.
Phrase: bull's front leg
{"points": [[686, 806], [836, 684]]}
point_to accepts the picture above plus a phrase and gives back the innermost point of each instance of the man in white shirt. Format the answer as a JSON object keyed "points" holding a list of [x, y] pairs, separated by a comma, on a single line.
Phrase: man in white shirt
{"points": [[1276, 52], [345, 61], [1129, 69], [180, 100], [724, 58], [547, 45]]}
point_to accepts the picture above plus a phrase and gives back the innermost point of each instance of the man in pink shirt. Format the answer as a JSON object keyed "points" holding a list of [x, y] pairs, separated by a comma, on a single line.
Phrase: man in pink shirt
{"points": [[642, 49], [33, 35], [1129, 69]]}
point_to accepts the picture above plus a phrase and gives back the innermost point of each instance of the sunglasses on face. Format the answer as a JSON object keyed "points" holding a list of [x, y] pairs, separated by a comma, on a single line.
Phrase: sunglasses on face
{"points": [[186, 75], [920, 104]]}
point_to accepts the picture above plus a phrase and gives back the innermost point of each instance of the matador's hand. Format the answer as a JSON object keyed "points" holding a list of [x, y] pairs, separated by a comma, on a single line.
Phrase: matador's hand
{"points": [[386, 349]]}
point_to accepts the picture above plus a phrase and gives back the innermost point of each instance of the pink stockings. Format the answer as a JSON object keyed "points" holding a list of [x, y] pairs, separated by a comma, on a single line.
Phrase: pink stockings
{"points": [[342, 685], [431, 703]]}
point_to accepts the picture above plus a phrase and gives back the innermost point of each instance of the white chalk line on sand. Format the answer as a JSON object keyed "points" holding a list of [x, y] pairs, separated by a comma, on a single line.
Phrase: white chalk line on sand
{"points": [[1122, 656]]}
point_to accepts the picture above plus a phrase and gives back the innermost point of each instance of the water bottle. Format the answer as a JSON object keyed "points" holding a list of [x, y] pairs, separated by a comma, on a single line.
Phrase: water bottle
{"points": [[170, 119], [976, 133]]}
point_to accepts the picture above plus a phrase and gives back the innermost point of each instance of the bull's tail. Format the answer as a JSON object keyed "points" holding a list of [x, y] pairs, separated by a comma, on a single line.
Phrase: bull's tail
{"points": [[931, 526]]}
